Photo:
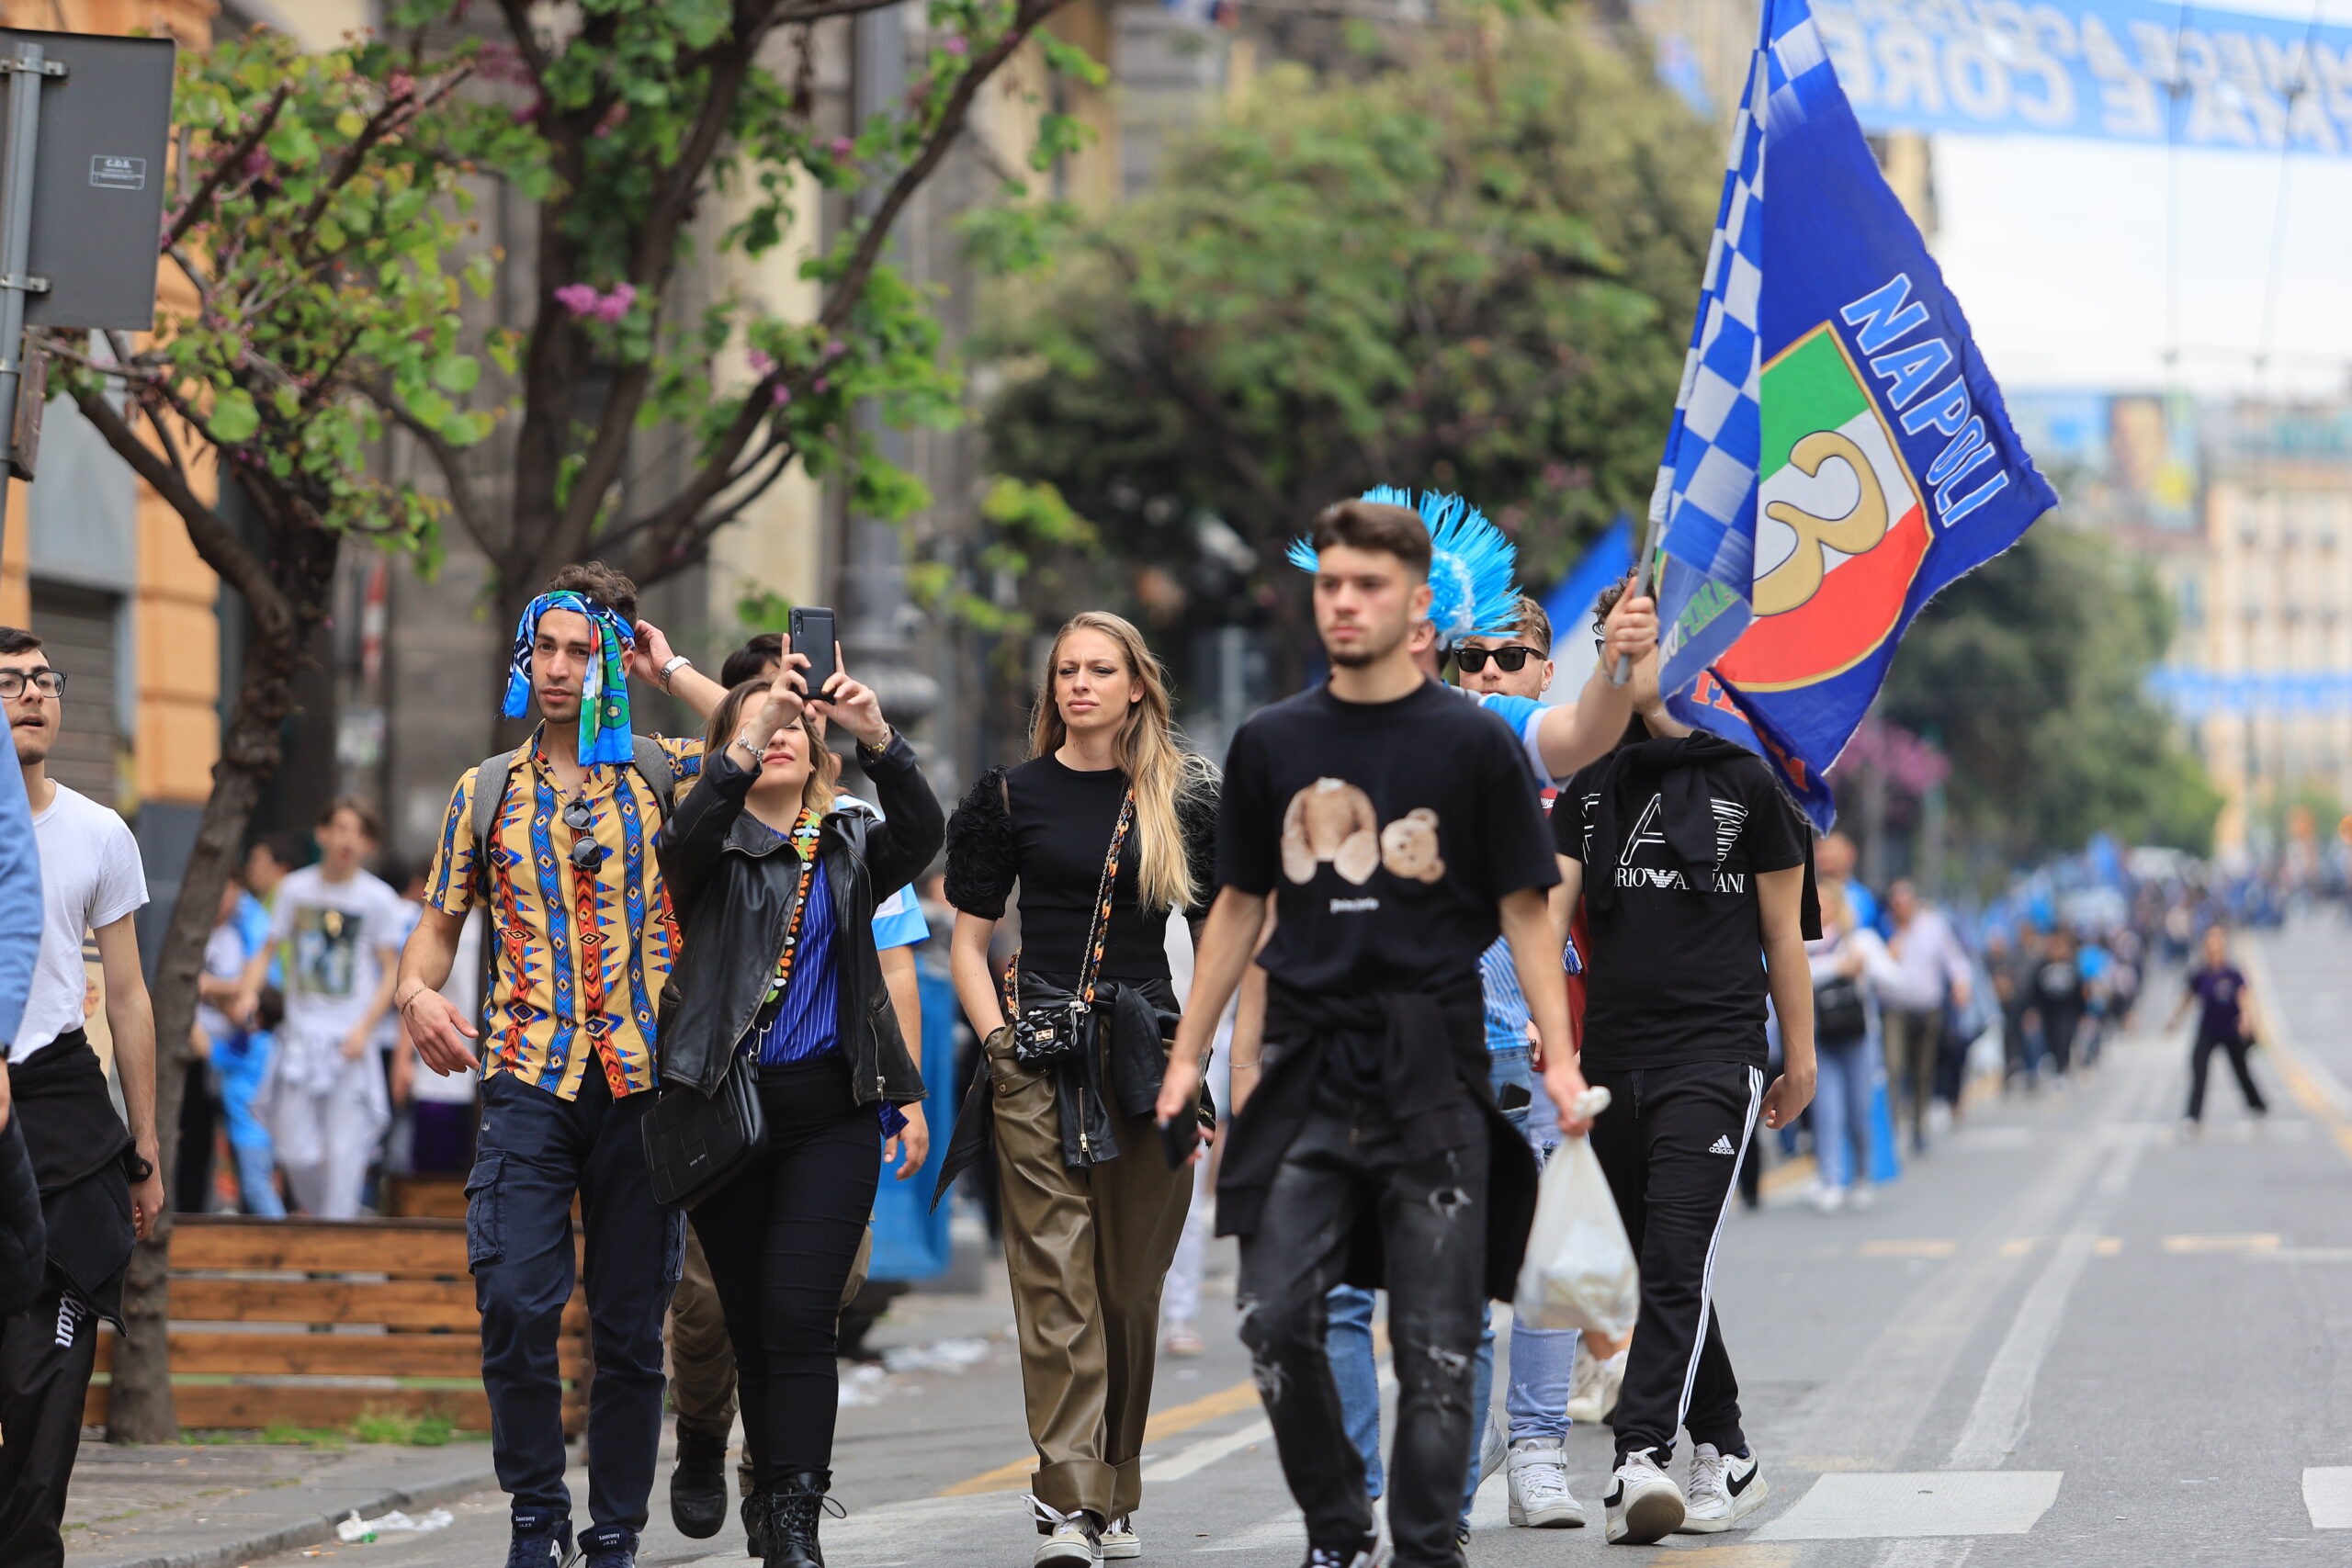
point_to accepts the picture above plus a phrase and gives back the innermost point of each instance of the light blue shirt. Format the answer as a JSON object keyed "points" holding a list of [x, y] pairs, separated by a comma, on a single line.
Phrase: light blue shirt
{"points": [[1525, 717], [21, 916]]}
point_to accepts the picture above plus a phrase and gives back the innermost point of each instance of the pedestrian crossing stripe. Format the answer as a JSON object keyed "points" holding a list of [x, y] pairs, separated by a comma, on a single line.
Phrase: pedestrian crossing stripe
{"points": [[1893, 1506]]}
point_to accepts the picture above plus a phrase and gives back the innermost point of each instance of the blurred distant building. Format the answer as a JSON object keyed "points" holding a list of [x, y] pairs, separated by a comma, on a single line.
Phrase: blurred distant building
{"points": [[2243, 513]]}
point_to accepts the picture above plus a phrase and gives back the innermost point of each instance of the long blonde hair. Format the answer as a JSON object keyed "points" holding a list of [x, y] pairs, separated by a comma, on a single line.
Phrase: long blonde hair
{"points": [[1151, 753], [727, 722]]}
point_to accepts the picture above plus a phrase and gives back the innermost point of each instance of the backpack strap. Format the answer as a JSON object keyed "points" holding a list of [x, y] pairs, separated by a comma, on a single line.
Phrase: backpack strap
{"points": [[653, 765], [491, 781]]}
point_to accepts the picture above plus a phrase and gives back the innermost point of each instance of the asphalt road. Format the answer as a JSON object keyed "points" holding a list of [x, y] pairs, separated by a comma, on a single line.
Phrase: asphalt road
{"points": [[2066, 1337]]}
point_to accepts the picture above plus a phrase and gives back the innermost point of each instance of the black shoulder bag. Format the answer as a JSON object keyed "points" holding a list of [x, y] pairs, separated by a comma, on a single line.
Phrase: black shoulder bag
{"points": [[1046, 1036], [694, 1144]]}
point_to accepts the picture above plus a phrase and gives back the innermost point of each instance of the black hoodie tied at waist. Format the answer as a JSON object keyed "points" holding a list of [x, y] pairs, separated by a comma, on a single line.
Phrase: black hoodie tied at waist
{"points": [[1675, 768], [1435, 1078], [80, 1156]]}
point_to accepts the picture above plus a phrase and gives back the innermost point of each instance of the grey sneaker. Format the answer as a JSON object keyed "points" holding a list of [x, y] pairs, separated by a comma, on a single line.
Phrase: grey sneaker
{"points": [[1120, 1540]]}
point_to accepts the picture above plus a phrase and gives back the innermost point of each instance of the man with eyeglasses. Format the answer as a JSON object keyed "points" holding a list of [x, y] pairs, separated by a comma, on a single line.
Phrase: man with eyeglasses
{"points": [[98, 1183], [557, 839]]}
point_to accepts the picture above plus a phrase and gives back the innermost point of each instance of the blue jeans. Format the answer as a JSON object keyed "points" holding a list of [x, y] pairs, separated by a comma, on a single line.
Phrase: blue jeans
{"points": [[535, 1151], [1841, 1109], [242, 1061], [1541, 1359]]}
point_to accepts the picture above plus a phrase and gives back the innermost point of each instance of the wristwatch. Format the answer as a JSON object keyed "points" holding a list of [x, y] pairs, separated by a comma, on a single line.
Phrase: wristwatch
{"points": [[670, 669]]}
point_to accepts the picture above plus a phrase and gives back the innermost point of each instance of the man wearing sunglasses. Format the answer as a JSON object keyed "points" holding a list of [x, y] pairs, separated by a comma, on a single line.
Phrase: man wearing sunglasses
{"points": [[557, 839]]}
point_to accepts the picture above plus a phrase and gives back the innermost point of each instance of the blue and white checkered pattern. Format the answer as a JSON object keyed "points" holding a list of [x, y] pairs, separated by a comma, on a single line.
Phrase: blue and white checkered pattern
{"points": [[1706, 491]]}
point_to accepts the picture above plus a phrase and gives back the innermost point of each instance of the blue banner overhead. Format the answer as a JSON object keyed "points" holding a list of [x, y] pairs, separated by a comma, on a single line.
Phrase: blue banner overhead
{"points": [[2102, 69]]}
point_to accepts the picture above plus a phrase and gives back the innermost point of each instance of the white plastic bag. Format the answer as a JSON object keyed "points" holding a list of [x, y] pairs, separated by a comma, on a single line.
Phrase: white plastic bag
{"points": [[1579, 1272]]}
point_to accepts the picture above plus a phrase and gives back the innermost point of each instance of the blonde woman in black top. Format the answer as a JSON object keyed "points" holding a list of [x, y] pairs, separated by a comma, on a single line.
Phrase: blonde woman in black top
{"points": [[1091, 1211]]}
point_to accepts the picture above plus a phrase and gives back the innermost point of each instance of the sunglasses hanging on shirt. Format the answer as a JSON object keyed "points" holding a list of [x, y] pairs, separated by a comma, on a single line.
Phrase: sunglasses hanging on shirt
{"points": [[586, 853]]}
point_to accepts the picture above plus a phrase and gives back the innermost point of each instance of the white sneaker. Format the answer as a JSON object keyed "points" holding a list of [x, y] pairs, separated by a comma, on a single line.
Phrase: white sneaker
{"points": [[1827, 1200], [1494, 1447], [1643, 1505], [1725, 1489], [1592, 1387], [1540, 1498], [1120, 1540], [1073, 1540]]}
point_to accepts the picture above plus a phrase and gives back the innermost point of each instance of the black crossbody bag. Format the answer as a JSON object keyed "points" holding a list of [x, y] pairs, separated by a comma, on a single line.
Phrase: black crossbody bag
{"points": [[1047, 1036], [694, 1144]]}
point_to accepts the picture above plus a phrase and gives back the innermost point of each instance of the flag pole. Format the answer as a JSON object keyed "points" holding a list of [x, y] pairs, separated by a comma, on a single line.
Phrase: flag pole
{"points": [[1645, 564]]}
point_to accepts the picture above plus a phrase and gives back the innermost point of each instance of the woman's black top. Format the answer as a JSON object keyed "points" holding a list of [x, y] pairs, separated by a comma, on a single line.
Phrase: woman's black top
{"points": [[1047, 826]]}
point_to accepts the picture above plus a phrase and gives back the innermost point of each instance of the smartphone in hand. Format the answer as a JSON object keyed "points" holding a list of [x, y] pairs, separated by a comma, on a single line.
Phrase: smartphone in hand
{"points": [[812, 627]]}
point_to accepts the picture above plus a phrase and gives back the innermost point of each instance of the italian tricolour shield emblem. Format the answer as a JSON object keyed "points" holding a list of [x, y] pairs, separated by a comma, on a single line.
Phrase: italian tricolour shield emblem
{"points": [[1840, 528]]}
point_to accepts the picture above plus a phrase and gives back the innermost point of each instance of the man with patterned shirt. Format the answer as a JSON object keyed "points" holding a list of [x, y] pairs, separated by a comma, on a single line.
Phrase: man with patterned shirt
{"points": [[582, 939]]}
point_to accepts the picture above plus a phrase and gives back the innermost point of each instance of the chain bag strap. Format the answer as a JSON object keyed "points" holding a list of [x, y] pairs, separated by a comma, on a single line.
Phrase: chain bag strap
{"points": [[1043, 1036], [804, 840]]}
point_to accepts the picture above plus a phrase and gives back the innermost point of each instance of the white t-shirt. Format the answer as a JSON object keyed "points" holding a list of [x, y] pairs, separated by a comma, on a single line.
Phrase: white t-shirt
{"points": [[90, 877], [336, 935], [464, 984]]}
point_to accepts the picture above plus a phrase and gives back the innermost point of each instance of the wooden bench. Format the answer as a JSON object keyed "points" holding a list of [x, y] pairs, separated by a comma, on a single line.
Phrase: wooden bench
{"points": [[309, 1322]]}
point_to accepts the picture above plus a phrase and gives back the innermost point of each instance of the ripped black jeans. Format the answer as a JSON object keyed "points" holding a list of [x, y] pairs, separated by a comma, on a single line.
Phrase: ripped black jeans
{"points": [[1347, 1159]]}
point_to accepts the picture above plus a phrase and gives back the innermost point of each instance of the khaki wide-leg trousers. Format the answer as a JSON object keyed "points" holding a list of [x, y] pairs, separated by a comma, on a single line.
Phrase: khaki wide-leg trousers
{"points": [[1088, 1249]]}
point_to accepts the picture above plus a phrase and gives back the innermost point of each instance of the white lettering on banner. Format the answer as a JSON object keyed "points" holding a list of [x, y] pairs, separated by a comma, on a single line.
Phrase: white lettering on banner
{"points": [[2114, 70], [1879, 319]]}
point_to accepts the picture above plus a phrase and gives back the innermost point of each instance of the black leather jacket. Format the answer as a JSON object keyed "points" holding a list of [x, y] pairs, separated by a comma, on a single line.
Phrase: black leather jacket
{"points": [[734, 882]]}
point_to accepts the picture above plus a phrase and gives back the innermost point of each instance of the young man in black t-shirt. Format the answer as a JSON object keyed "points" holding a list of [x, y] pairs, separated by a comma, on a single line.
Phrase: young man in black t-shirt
{"points": [[1691, 864], [1396, 828]]}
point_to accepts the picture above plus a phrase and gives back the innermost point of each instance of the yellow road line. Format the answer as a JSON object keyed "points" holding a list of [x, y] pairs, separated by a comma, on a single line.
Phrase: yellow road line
{"points": [[2292, 1065], [1937, 1248], [1787, 1174], [1167, 1423], [2260, 1242]]}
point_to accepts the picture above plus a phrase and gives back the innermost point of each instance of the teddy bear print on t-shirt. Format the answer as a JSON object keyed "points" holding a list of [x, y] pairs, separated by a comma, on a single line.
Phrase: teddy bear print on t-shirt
{"points": [[1332, 820]]}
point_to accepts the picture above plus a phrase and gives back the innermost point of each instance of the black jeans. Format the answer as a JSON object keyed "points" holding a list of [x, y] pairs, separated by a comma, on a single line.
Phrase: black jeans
{"points": [[534, 1152], [2200, 1060], [780, 1239], [42, 1386], [1671, 1144], [1349, 1157]]}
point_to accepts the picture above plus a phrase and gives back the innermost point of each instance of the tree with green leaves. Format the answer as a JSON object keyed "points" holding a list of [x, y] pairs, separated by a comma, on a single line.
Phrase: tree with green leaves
{"points": [[2030, 673], [1469, 268], [638, 114], [320, 207]]}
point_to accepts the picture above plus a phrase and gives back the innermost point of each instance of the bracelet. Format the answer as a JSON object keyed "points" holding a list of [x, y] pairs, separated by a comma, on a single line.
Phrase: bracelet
{"points": [[876, 747]]}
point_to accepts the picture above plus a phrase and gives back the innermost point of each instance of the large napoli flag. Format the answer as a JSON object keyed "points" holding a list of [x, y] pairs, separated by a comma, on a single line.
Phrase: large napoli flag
{"points": [[1838, 453]]}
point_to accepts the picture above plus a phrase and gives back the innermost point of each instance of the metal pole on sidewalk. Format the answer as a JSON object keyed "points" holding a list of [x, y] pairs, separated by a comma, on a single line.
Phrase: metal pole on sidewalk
{"points": [[26, 72]]}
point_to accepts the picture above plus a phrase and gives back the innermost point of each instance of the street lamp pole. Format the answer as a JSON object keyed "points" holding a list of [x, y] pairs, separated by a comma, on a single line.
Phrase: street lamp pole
{"points": [[877, 621]]}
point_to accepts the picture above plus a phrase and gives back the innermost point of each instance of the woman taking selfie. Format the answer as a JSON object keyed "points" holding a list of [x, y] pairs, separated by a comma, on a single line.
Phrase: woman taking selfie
{"points": [[1106, 828], [774, 883]]}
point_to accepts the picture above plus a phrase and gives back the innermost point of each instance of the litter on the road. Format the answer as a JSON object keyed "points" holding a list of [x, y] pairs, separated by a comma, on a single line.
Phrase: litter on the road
{"points": [[355, 1528]]}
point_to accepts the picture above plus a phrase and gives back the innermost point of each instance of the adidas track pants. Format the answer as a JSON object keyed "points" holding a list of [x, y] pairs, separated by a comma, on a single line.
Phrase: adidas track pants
{"points": [[1672, 1141]]}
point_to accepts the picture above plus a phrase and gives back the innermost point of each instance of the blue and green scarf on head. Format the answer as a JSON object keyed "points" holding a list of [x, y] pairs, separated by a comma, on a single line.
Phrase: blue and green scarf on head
{"points": [[603, 696]]}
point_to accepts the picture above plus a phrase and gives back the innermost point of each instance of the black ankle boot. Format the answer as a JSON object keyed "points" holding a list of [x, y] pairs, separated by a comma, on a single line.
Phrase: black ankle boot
{"points": [[698, 1487], [790, 1511]]}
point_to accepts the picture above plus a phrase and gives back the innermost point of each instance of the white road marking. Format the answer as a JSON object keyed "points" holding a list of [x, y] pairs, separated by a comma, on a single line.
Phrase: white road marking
{"points": [[1206, 1452], [1941, 1552], [2327, 1494], [1286, 1528], [1929, 1503], [1998, 1418]]}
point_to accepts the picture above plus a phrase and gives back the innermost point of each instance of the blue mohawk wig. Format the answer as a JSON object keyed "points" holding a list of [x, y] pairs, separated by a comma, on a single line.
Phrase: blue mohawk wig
{"points": [[1471, 565]]}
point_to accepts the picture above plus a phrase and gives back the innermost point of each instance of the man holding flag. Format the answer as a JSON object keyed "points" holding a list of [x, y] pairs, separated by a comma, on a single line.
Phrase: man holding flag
{"points": [[1838, 453]]}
